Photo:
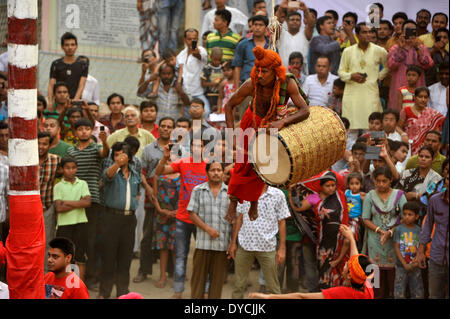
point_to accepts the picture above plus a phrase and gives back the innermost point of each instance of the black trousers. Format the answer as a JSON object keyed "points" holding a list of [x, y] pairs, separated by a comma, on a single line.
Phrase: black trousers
{"points": [[118, 232], [146, 254], [93, 231]]}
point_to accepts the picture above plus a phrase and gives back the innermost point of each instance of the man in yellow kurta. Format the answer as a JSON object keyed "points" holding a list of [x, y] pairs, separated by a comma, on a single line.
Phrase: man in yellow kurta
{"points": [[360, 69]]}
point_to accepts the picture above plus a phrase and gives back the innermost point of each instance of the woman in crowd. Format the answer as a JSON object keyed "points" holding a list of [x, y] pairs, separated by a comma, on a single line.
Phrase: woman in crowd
{"points": [[409, 51], [414, 182], [381, 211], [419, 119], [330, 208], [166, 203]]}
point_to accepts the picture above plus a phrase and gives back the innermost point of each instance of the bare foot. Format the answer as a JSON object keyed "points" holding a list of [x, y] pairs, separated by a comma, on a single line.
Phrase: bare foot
{"points": [[253, 211], [231, 213], [177, 295], [161, 283]]}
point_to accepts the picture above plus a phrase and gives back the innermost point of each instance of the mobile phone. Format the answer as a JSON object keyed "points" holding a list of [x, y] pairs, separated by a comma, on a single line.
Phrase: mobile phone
{"points": [[194, 44], [372, 153], [409, 32], [377, 134], [77, 103], [348, 21], [364, 75], [171, 145], [293, 4], [102, 128]]}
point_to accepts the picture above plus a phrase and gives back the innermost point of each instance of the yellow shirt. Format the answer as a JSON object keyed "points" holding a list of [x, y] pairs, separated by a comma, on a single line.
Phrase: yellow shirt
{"points": [[144, 137], [347, 43], [428, 41], [361, 99]]}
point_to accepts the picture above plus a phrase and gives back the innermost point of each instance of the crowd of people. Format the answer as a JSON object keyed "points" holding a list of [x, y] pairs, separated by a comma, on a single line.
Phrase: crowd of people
{"points": [[125, 185]]}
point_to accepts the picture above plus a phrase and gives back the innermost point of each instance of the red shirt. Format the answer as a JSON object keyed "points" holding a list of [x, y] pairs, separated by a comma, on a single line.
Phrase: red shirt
{"points": [[69, 287], [155, 131], [348, 293], [192, 174]]}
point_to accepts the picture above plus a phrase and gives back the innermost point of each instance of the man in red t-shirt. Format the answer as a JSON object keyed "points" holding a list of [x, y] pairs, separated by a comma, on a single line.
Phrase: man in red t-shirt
{"points": [[192, 173], [356, 272], [59, 282]]}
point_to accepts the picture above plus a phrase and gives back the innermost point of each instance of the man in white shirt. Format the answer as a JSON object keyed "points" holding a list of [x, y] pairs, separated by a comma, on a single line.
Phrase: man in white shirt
{"points": [[318, 87], [238, 22], [91, 92], [257, 239], [192, 61], [438, 91], [297, 37]]}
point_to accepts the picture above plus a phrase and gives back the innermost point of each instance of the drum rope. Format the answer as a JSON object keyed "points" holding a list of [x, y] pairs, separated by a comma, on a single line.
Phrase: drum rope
{"points": [[274, 28]]}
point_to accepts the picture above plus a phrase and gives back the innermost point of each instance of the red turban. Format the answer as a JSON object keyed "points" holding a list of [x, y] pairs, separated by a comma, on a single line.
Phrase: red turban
{"points": [[267, 59]]}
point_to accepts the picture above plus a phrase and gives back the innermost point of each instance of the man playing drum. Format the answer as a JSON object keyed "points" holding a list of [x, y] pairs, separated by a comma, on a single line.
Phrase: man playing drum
{"points": [[271, 88]]}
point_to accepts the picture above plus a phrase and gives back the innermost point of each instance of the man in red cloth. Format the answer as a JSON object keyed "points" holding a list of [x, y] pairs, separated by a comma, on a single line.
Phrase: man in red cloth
{"points": [[271, 89]]}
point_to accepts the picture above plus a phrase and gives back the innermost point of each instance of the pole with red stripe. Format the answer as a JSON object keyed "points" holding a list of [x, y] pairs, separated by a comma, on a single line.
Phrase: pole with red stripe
{"points": [[25, 245]]}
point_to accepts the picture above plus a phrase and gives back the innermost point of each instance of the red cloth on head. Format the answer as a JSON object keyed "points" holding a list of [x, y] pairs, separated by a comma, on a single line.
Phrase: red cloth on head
{"points": [[244, 183]]}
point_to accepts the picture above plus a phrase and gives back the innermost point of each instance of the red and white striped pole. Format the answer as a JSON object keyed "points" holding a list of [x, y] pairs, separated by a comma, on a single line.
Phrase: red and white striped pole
{"points": [[26, 240]]}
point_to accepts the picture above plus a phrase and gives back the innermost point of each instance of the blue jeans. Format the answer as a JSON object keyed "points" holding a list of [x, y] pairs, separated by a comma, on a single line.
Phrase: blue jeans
{"points": [[437, 280], [182, 242], [403, 278], [169, 14]]}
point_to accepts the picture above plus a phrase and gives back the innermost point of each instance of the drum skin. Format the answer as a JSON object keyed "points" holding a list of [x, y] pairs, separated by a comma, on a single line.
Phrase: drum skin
{"points": [[305, 149]]}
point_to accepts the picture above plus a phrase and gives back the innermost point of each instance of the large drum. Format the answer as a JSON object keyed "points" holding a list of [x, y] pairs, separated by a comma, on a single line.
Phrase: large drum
{"points": [[301, 150]]}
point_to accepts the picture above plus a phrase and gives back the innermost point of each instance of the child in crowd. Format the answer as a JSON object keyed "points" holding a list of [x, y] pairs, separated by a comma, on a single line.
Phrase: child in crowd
{"points": [[226, 87], [296, 66], [355, 198], [406, 93], [335, 100], [376, 121], [169, 57], [72, 196], [212, 76], [406, 243]]}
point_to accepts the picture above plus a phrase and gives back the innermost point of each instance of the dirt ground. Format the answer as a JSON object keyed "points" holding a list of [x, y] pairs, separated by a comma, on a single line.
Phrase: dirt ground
{"points": [[148, 290]]}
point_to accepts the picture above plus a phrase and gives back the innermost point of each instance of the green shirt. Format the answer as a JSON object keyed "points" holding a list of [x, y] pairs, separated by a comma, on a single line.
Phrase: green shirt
{"points": [[144, 137], [227, 43], [413, 162], [65, 190], [292, 231], [60, 149]]}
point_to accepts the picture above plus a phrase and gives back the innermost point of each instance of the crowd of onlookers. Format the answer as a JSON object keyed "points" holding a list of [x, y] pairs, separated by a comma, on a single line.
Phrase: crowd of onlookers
{"points": [[124, 185]]}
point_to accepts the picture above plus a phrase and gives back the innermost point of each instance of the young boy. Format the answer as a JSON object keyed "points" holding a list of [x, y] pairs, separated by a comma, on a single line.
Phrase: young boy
{"points": [[72, 196], [375, 121], [406, 244], [406, 93], [296, 66], [335, 100], [68, 69], [212, 76], [59, 282], [149, 113]]}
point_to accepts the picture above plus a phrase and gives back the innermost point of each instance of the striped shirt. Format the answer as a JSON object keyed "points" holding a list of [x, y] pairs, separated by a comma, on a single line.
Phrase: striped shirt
{"points": [[47, 175], [4, 188], [167, 102], [212, 211], [408, 96], [89, 167], [227, 43]]}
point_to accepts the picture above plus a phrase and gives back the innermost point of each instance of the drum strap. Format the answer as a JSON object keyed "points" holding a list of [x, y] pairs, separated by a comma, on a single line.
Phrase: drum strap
{"points": [[283, 89]]}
